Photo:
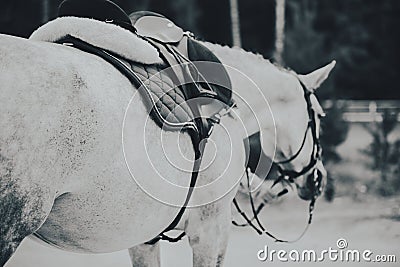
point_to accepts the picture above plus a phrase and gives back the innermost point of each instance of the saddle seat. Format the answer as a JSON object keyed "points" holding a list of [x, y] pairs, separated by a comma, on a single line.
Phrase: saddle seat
{"points": [[182, 48], [156, 26], [179, 48]]}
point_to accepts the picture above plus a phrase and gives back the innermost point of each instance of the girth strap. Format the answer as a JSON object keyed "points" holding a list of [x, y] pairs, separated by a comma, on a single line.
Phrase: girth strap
{"points": [[174, 223]]}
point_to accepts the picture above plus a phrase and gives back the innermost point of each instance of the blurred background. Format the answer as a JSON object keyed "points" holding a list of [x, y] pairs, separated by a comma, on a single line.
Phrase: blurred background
{"points": [[361, 133]]}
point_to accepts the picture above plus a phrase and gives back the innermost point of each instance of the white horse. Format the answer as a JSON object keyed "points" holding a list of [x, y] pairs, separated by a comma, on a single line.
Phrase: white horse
{"points": [[63, 167]]}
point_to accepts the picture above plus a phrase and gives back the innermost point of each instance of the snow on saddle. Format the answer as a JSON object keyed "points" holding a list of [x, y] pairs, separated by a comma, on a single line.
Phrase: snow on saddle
{"points": [[157, 45]]}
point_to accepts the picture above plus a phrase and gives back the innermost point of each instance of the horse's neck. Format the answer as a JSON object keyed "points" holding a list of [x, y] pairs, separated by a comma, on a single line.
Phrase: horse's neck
{"points": [[253, 80]]}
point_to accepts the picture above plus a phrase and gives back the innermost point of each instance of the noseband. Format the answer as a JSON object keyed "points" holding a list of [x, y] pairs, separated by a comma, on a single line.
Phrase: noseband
{"points": [[289, 175]]}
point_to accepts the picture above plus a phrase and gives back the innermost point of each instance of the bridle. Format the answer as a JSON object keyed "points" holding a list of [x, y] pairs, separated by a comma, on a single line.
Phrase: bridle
{"points": [[289, 175], [315, 155]]}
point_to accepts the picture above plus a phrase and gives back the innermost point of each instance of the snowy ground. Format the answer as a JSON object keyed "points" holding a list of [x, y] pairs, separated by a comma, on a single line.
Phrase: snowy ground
{"points": [[368, 224]]}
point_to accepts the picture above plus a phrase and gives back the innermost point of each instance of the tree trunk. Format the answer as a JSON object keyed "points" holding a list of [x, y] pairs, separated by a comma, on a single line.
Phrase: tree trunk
{"points": [[279, 31], [235, 23], [45, 11]]}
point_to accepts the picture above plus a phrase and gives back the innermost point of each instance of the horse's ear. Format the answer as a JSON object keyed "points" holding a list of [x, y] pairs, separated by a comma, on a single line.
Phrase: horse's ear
{"points": [[314, 79]]}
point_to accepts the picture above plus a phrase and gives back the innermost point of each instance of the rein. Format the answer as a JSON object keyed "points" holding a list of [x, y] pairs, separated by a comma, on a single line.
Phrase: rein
{"points": [[289, 176]]}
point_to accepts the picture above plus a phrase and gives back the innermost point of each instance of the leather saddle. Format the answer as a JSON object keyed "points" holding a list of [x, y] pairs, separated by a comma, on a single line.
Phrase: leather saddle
{"points": [[179, 47], [208, 88]]}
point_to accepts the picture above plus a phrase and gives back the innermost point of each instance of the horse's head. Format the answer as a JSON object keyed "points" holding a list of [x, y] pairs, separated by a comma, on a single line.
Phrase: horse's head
{"points": [[297, 115], [282, 107]]}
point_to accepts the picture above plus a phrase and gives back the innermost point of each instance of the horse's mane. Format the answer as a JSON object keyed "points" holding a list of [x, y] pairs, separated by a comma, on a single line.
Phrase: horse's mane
{"points": [[256, 62], [239, 51], [262, 70], [244, 56], [247, 55]]}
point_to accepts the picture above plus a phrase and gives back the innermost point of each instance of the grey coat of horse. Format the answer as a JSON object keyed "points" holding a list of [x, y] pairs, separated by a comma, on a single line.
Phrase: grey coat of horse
{"points": [[66, 173]]}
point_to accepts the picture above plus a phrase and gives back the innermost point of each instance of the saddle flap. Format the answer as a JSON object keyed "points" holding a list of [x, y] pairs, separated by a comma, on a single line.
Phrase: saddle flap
{"points": [[215, 75], [158, 28]]}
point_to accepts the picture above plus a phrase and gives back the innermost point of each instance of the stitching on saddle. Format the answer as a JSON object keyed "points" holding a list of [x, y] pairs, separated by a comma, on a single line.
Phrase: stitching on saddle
{"points": [[158, 95], [168, 100], [159, 99]]}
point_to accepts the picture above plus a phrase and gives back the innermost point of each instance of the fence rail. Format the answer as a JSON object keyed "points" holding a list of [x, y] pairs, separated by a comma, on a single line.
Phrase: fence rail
{"points": [[365, 110]]}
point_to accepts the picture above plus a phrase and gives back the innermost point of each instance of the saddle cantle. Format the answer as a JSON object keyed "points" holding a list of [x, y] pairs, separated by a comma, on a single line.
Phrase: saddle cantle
{"points": [[102, 10]]}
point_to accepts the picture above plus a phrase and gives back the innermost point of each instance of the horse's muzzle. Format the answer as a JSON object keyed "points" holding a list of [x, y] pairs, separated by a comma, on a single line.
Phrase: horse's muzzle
{"points": [[313, 185]]}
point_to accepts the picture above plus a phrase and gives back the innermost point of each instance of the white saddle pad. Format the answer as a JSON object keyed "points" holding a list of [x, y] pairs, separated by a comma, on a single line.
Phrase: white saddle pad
{"points": [[100, 34]]}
